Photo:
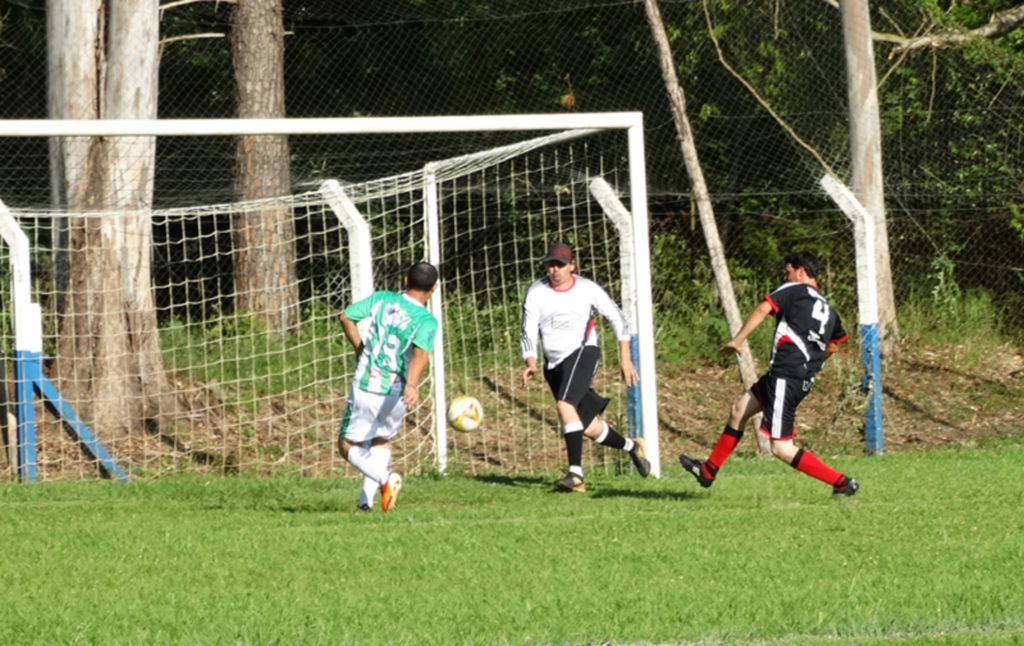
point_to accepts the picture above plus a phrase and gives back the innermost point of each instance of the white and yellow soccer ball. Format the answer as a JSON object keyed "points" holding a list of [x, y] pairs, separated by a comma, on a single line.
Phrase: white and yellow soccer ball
{"points": [[465, 414]]}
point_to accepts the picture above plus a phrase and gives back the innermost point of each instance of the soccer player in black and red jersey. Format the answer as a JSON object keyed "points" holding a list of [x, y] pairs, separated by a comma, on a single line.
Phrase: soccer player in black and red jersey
{"points": [[807, 331]]}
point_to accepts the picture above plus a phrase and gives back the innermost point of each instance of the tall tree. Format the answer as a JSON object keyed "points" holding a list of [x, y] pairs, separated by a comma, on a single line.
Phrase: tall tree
{"points": [[701, 195], [264, 241], [866, 156], [102, 59]]}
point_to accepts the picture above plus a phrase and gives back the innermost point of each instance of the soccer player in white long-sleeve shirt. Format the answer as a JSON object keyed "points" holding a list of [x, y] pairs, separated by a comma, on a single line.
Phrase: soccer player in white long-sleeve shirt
{"points": [[560, 307]]}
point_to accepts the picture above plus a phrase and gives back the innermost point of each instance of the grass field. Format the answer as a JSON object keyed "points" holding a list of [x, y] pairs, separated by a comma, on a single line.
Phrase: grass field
{"points": [[931, 551]]}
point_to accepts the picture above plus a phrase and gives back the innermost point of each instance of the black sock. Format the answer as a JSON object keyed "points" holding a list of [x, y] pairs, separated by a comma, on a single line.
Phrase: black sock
{"points": [[612, 439], [574, 448]]}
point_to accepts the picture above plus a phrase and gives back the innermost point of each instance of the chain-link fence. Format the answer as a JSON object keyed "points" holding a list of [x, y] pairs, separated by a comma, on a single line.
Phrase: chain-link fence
{"points": [[952, 116], [767, 97]]}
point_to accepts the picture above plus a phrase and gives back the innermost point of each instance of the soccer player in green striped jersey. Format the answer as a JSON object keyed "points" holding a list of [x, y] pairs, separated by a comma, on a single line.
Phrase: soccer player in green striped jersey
{"points": [[391, 360]]}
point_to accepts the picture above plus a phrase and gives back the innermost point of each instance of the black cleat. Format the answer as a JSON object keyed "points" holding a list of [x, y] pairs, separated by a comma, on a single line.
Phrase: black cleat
{"points": [[846, 487], [364, 507], [638, 455], [571, 482], [696, 469]]}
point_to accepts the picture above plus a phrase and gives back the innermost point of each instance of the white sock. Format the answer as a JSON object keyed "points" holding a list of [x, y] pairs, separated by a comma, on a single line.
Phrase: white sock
{"points": [[572, 427], [368, 493], [576, 471], [367, 464], [629, 445], [381, 456]]}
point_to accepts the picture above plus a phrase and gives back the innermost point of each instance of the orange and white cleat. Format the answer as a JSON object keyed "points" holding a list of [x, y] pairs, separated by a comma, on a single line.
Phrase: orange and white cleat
{"points": [[389, 492]]}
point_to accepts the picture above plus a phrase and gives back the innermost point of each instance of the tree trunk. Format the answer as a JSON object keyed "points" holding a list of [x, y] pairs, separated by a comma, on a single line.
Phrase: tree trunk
{"points": [[866, 156], [265, 282], [702, 197], [104, 65]]}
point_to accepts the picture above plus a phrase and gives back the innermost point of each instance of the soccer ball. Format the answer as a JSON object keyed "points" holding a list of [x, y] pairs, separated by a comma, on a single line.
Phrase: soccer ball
{"points": [[465, 414]]}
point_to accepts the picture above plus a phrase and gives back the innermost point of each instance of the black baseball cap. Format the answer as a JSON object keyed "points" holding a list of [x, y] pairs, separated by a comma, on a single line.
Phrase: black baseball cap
{"points": [[559, 252]]}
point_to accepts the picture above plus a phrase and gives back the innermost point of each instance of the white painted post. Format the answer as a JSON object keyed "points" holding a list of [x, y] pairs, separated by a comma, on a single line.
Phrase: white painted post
{"points": [[437, 365], [623, 221], [644, 307], [360, 252], [28, 327], [865, 125], [867, 300], [28, 344]]}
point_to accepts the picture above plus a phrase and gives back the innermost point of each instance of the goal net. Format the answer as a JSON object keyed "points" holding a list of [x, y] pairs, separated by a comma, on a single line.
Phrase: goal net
{"points": [[244, 394]]}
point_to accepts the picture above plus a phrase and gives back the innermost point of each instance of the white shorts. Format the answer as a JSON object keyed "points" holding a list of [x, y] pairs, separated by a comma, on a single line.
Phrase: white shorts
{"points": [[369, 416]]}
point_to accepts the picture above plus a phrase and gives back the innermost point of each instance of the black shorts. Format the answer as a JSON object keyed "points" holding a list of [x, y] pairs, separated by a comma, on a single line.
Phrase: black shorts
{"points": [[779, 397], [570, 382]]}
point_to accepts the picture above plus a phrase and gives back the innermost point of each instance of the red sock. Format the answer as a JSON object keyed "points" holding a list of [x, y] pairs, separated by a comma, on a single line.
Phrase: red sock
{"points": [[810, 464], [727, 441]]}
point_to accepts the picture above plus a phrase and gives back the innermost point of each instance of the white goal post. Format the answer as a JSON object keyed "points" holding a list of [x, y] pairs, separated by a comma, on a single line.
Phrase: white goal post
{"points": [[630, 224]]}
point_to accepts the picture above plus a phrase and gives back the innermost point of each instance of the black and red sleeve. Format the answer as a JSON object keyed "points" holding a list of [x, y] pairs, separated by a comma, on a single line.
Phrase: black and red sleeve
{"points": [[838, 333]]}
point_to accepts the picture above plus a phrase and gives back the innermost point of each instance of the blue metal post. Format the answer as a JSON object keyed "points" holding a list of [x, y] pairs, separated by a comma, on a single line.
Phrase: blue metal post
{"points": [[872, 386], [78, 430], [634, 413], [29, 379], [27, 370]]}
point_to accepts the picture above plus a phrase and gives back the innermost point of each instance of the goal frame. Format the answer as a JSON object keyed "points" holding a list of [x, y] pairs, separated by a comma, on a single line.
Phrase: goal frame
{"points": [[645, 417]]}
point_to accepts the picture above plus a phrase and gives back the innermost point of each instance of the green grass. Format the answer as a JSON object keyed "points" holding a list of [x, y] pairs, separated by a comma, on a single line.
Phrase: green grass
{"points": [[929, 552]]}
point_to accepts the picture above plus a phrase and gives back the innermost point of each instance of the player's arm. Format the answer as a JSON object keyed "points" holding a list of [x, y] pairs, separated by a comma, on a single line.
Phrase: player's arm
{"points": [[351, 332], [531, 369], [617, 319], [528, 339], [838, 336], [417, 365], [352, 315], [626, 367], [756, 317]]}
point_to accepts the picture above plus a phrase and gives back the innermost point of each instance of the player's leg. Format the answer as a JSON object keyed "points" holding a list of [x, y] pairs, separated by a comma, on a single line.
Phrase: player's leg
{"points": [[389, 422], [359, 456], [572, 434], [745, 407], [380, 451], [358, 427], [368, 494], [780, 426], [369, 490], [599, 431], [806, 462], [570, 382]]}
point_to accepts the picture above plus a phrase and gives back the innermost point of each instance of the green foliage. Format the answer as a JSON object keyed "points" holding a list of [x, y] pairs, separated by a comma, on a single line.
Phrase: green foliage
{"points": [[951, 123], [947, 316], [688, 326], [945, 291], [238, 352], [241, 324], [189, 560], [482, 331], [1017, 219]]}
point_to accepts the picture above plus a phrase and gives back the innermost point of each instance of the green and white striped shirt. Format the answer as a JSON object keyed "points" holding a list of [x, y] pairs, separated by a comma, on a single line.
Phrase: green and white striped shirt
{"points": [[400, 323]]}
